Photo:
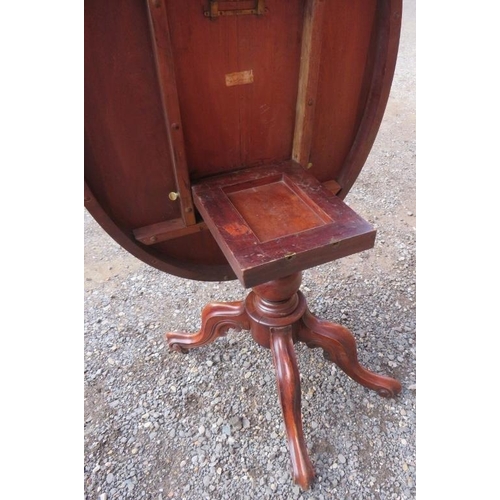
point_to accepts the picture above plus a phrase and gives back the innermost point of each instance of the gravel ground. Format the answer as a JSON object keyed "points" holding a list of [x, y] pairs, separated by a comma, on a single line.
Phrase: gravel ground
{"points": [[208, 425]]}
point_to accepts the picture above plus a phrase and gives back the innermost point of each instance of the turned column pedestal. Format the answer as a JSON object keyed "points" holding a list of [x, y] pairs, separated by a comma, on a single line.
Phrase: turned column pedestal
{"points": [[221, 143], [272, 223], [277, 316]]}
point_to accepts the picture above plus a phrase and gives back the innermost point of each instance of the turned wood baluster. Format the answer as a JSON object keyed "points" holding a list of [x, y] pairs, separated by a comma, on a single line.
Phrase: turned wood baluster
{"points": [[274, 308]]}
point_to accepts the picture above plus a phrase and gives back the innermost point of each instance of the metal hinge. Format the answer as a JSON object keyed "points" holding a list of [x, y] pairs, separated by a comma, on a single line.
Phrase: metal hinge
{"points": [[230, 8]]}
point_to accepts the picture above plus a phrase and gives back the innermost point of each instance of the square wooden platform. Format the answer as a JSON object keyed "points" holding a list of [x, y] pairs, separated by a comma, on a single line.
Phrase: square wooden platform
{"points": [[275, 220]]}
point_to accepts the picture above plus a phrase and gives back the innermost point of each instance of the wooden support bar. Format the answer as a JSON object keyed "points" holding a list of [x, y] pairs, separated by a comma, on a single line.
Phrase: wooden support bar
{"points": [[275, 220], [308, 80], [166, 77], [332, 186], [168, 230]]}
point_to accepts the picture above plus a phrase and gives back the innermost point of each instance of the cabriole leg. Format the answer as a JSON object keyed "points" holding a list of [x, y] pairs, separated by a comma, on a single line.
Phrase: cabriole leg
{"points": [[216, 319], [339, 346], [288, 379]]}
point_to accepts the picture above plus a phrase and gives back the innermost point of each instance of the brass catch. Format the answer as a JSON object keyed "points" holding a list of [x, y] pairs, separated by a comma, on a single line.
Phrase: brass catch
{"points": [[214, 11]]}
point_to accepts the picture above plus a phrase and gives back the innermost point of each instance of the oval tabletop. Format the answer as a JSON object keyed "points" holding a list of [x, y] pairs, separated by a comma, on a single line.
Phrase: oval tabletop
{"points": [[176, 92]]}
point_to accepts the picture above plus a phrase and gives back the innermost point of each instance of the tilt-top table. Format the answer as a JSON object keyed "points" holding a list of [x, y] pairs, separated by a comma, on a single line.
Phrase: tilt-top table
{"points": [[221, 138]]}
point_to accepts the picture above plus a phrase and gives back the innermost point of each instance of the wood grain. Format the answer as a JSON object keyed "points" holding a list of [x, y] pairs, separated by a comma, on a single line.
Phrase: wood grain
{"points": [[168, 230], [134, 148], [276, 220], [231, 127], [160, 33], [310, 59]]}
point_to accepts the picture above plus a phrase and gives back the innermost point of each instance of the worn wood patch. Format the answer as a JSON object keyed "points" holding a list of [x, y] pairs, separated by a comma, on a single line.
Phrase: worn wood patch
{"points": [[239, 78]]}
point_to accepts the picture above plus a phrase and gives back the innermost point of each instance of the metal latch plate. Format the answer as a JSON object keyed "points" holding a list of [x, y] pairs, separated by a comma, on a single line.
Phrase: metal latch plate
{"points": [[234, 8]]}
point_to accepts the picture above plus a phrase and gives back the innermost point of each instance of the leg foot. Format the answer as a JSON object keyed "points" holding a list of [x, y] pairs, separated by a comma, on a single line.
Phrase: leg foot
{"points": [[339, 346], [216, 319], [288, 380]]}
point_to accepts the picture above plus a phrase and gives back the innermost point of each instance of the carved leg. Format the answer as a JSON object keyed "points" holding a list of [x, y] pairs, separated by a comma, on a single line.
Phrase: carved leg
{"points": [[339, 346], [216, 319], [287, 375]]}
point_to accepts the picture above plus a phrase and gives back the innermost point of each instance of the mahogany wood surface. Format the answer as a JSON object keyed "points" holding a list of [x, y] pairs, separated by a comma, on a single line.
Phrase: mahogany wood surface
{"points": [[288, 379], [173, 97], [216, 319], [277, 316], [308, 80], [274, 220], [167, 230], [160, 34], [229, 127], [339, 346]]}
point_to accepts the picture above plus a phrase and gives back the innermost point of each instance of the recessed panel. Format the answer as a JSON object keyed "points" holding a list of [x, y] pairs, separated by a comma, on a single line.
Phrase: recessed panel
{"points": [[275, 220], [273, 211]]}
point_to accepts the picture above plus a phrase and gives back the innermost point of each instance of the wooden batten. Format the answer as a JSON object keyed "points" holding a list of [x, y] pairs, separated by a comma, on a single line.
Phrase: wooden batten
{"points": [[168, 88], [167, 230], [332, 186], [308, 80]]}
